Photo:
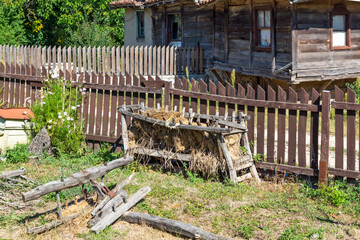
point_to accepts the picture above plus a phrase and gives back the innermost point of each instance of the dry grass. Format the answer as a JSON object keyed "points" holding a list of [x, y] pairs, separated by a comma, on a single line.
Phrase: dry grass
{"points": [[206, 158]]}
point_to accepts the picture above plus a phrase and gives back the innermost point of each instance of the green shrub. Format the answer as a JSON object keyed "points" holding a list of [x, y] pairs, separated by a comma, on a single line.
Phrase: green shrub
{"points": [[57, 111], [18, 154]]}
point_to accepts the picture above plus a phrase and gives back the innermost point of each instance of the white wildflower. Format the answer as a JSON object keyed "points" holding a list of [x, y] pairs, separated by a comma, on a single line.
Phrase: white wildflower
{"points": [[50, 121], [42, 103], [49, 127], [71, 119], [65, 113], [68, 118], [51, 93], [60, 117], [73, 107], [84, 89], [25, 112]]}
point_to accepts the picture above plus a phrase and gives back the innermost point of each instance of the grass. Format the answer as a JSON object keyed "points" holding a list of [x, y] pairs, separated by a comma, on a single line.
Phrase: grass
{"points": [[245, 210]]}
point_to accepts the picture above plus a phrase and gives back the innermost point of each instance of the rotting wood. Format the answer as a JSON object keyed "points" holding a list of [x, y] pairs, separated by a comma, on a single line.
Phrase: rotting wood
{"points": [[110, 206], [113, 216], [162, 154], [76, 179], [116, 190], [171, 226], [14, 173]]}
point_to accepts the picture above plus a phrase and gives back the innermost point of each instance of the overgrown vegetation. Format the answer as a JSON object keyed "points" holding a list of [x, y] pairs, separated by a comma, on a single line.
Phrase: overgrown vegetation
{"points": [[57, 111], [18, 154], [66, 22]]}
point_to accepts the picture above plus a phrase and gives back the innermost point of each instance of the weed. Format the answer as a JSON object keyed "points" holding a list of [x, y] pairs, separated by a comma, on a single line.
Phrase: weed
{"points": [[246, 231], [193, 177], [259, 157], [18, 154], [107, 234]]}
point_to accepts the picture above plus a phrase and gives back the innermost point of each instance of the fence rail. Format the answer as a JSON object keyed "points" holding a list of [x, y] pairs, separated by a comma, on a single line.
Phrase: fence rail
{"points": [[286, 128], [138, 60]]}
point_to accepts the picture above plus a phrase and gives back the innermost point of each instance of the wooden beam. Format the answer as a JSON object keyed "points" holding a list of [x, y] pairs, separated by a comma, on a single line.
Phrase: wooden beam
{"points": [[14, 173], [113, 216], [76, 179], [171, 226]]}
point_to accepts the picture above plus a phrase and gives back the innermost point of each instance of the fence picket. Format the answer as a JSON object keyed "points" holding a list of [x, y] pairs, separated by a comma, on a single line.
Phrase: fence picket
{"points": [[99, 105], [240, 94], [203, 102], [314, 130], [260, 128], [177, 85], [131, 60], [106, 112], [163, 60], [194, 101], [231, 93], [270, 151], [251, 113], [221, 92], [158, 72], [350, 125], [136, 60], [145, 72], [115, 82], [141, 60], [281, 127], [185, 101], [304, 99], [292, 129]]}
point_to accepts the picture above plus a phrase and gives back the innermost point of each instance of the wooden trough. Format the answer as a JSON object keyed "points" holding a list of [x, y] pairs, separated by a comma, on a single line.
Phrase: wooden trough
{"points": [[218, 126]]}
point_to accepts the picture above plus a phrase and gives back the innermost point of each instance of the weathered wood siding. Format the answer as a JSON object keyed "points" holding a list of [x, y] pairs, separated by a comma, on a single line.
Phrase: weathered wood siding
{"points": [[240, 54], [196, 25], [315, 60]]}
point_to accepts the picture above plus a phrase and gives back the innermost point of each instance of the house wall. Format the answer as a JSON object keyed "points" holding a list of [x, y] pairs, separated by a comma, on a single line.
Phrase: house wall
{"points": [[131, 25], [233, 41], [197, 26], [314, 59]]}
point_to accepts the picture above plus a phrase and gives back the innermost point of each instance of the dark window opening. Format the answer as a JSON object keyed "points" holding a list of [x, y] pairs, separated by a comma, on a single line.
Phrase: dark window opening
{"points": [[174, 27], [140, 32]]}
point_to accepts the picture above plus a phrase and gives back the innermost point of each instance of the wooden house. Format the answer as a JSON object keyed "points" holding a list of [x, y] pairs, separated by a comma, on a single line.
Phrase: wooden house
{"points": [[291, 42]]}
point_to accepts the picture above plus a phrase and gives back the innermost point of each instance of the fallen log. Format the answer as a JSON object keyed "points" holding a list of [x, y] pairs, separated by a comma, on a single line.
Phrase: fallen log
{"points": [[171, 226], [107, 198], [114, 203], [113, 216], [76, 179], [14, 173]]}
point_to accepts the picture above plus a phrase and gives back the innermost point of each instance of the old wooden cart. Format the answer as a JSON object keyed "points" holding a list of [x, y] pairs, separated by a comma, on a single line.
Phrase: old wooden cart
{"points": [[218, 126]]}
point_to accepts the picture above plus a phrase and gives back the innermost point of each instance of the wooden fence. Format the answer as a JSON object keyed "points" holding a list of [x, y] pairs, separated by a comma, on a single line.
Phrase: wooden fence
{"points": [[286, 128], [138, 60]]}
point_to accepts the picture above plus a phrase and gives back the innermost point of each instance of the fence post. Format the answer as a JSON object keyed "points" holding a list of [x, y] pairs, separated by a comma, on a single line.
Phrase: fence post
{"points": [[325, 124]]}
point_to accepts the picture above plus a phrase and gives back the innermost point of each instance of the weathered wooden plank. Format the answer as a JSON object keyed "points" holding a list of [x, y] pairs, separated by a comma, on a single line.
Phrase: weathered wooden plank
{"points": [[221, 92], [212, 104], [314, 131], [260, 129], [304, 98], [230, 93], [136, 60], [113, 216], [350, 125], [13, 173], [145, 72], [271, 127], [141, 60], [75, 179], [281, 128], [325, 138], [171, 226], [185, 101], [194, 101], [251, 113], [292, 129]]}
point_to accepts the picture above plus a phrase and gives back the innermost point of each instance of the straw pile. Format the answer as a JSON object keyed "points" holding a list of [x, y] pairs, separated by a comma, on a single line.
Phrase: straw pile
{"points": [[206, 157]]}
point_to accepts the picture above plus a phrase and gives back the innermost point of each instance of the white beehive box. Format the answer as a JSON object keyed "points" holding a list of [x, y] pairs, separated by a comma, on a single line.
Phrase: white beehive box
{"points": [[14, 127]]}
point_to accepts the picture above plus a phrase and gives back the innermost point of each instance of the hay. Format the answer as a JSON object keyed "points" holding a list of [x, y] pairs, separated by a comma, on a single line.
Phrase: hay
{"points": [[206, 159]]}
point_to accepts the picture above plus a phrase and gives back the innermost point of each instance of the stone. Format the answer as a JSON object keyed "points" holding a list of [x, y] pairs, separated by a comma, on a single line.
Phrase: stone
{"points": [[41, 143]]}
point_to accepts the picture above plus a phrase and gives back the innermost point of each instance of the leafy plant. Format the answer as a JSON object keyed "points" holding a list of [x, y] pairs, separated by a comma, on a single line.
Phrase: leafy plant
{"points": [[355, 86], [57, 111], [18, 154], [246, 231], [193, 177]]}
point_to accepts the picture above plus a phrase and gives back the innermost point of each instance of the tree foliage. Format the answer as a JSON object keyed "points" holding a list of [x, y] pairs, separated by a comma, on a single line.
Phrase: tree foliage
{"points": [[60, 22]]}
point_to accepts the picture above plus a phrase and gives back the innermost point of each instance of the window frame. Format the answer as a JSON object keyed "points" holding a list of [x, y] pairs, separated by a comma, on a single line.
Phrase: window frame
{"points": [[169, 30], [256, 29], [340, 9], [137, 25]]}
